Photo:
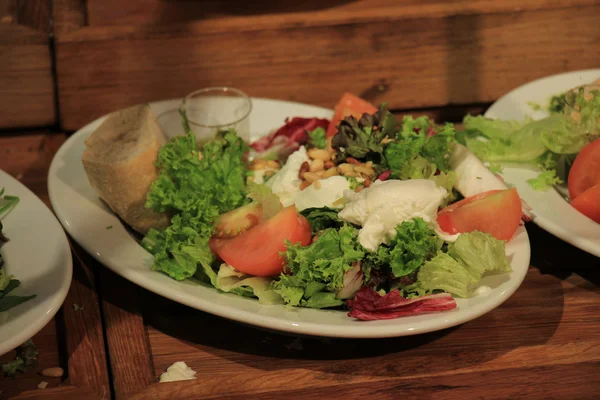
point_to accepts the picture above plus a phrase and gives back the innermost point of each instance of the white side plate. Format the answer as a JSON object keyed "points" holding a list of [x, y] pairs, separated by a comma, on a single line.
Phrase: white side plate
{"points": [[550, 211], [86, 218], [37, 254]]}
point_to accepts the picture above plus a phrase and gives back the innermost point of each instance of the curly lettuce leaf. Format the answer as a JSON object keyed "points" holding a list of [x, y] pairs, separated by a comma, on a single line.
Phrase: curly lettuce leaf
{"points": [[317, 271], [322, 218], [263, 195], [196, 190], [467, 260]]}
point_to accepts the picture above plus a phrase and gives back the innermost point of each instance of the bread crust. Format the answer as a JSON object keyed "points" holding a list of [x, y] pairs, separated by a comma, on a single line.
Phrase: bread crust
{"points": [[124, 180]]}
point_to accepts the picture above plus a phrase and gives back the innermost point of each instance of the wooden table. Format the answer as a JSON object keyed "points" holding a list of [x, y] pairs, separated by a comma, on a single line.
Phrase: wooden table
{"points": [[544, 342]]}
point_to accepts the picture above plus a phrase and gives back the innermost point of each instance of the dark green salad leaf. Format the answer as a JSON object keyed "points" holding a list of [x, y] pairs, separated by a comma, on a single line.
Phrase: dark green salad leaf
{"points": [[361, 139], [7, 283], [318, 269], [196, 190], [25, 358], [322, 218]]}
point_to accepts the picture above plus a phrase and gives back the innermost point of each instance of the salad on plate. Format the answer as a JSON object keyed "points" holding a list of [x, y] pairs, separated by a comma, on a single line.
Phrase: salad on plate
{"points": [[564, 146], [363, 213]]}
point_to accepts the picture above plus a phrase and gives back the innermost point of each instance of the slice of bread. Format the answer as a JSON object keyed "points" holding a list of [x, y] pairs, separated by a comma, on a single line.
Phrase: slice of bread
{"points": [[119, 162]]}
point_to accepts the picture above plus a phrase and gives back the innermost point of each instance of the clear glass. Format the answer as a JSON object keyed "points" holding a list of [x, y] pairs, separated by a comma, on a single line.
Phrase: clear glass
{"points": [[170, 122], [212, 109]]}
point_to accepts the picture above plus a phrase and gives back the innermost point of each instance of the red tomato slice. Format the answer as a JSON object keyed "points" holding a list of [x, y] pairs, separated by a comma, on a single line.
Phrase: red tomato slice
{"points": [[497, 212], [349, 104], [256, 251], [588, 203], [585, 171]]}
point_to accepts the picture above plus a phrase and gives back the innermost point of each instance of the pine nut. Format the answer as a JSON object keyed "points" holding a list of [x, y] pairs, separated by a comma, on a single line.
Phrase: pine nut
{"points": [[311, 176], [258, 164], [273, 164], [319, 154], [364, 170], [269, 172], [386, 140], [54, 372], [351, 174], [328, 164], [304, 185], [330, 172], [352, 160], [367, 182], [303, 169], [345, 168], [317, 165]]}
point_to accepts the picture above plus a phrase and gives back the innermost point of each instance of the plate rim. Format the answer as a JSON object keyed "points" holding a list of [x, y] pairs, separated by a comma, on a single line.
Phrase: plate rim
{"points": [[271, 322], [63, 289], [548, 224]]}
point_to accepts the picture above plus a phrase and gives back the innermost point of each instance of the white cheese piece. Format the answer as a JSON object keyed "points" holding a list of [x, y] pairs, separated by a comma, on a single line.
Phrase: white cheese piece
{"points": [[322, 193], [286, 183], [482, 290], [473, 176], [384, 205], [178, 372]]}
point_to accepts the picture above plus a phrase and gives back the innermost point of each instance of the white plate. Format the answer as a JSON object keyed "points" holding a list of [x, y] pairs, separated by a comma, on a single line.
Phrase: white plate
{"points": [[550, 211], [86, 218], [37, 254]]}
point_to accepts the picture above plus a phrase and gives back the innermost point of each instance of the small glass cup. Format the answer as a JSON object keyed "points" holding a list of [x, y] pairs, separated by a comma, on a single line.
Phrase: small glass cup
{"points": [[212, 109], [171, 123]]}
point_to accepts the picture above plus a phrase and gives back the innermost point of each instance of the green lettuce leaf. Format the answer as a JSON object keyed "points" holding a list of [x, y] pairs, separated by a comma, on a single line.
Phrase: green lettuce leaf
{"points": [[317, 271], [468, 259], [322, 218], [196, 190], [263, 195], [317, 138]]}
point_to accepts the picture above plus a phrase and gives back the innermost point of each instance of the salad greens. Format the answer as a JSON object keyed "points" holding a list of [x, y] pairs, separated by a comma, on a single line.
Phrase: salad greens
{"points": [[7, 282], [25, 358], [574, 121], [196, 190]]}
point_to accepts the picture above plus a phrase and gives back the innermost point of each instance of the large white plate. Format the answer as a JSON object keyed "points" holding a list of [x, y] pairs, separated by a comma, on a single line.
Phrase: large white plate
{"points": [[550, 210], [38, 255], [86, 218]]}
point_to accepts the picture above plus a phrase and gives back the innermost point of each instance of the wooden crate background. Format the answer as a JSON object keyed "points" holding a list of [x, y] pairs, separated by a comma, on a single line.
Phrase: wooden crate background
{"points": [[27, 95], [411, 54]]}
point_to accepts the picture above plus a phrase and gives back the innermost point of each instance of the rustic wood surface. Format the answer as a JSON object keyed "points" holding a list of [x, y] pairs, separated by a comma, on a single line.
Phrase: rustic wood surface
{"points": [[26, 79], [73, 339], [423, 54]]}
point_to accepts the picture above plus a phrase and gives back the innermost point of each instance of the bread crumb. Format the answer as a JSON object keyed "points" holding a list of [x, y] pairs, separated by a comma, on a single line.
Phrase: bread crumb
{"points": [[42, 385], [179, 371]]}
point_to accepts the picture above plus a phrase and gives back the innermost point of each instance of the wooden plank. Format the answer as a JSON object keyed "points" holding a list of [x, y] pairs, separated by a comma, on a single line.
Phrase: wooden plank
{"points": [[69, 15], [457, 60], [84, 334], [130, 357], [73, 339], [59, 393], [26, 81]]}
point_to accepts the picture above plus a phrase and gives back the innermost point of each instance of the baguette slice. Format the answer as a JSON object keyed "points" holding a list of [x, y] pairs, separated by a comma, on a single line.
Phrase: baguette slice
{"points": [[119, 162]]}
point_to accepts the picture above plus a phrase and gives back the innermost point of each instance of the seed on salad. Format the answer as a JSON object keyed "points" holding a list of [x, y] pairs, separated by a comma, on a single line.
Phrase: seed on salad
{"points": [[273, 164], [258, 164], [317, 165], [352, 160], [351, 174], [319, 154], [364, 170], [369, 164], [330, 172], [386, 140], [54, 372], [304, 185], [269, 172], [576, 116], [328, 164], [345, 168], [311, 176], [367, 182], [359, 189], [303, 168]]}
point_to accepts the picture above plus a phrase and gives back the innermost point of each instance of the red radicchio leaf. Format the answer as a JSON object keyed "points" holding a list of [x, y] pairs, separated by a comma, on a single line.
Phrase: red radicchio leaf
{"points": [[384, 175], [293, 133], [368, 305], [431, 131]]}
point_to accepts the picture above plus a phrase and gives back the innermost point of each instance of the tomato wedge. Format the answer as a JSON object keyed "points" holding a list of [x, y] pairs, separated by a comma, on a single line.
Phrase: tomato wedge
{"points": [[256, 251], [497, 212], [588, 203], [349, 104], [585, 171]]}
